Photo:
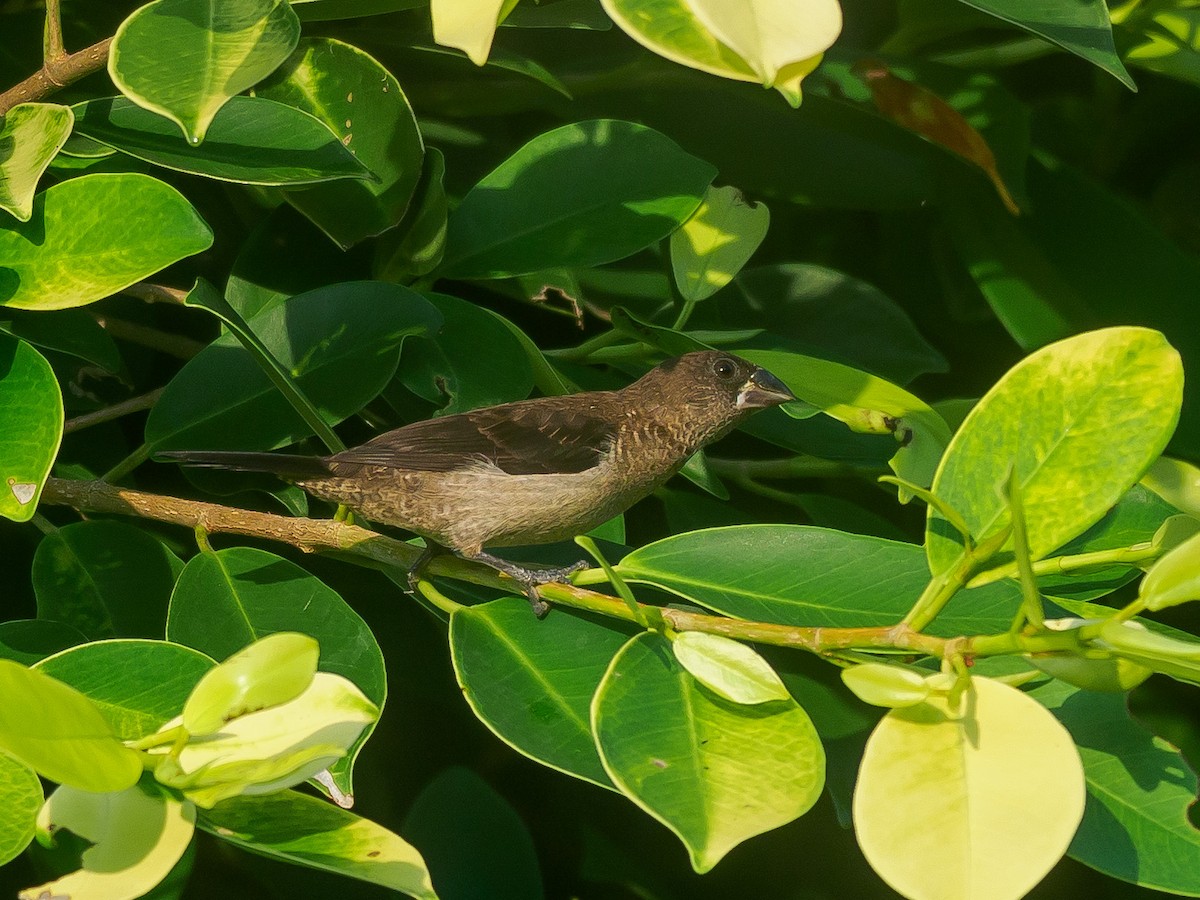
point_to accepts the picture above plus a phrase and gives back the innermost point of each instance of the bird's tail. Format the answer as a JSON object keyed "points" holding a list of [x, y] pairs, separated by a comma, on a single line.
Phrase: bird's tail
{"points": [[285, 465]]}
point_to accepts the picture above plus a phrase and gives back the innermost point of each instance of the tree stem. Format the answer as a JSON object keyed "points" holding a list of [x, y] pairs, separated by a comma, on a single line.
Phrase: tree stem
{"points": [[368, 548], [55, 74]]}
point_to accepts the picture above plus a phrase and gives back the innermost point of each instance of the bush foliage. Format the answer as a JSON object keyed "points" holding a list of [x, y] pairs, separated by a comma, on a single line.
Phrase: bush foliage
{"points": [[924, 627]]}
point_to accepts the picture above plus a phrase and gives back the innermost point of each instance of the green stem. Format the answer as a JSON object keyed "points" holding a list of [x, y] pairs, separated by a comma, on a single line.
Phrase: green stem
{"points": [[584, 351], [116, 411], [42, 524], [949, 582], [53, 49], [437, 598], [1133, 555], [128, 464], [799, 466], [614, 579]]}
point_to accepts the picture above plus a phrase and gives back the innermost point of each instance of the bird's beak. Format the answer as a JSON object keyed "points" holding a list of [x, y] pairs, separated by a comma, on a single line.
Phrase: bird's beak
{"points": [[763, 389]]}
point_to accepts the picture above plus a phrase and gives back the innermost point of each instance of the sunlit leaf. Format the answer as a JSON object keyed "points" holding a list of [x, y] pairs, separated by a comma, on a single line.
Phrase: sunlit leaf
{"points": [[30, 136], [974, 799], [184, 59], [137, 836]]}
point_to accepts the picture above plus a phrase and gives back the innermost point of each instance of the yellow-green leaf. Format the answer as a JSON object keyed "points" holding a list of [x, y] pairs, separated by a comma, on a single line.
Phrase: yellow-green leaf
{"points": [[711, 247], [30, 135], [969, 801], [883, 685], [466, 25], [137, 836], [184, 59], [271, 671], [771, 34], [728, 668]]}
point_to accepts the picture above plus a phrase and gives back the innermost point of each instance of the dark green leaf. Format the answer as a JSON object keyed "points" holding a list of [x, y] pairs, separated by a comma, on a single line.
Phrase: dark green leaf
{"points": [[341, 344], [251, 141], [579, 195], [105, 578], [532, 681], [231, 598], [363, 104]]}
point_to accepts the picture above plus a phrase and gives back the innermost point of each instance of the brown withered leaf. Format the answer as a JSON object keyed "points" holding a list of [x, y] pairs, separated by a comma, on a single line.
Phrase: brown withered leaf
{"points": [[919, 109]]}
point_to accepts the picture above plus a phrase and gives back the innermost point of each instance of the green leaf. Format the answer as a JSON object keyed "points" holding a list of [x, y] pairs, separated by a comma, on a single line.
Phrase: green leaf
{"points": [[882, 685], [271, 671], [1031, 298], [728, 668], [826, 313], [308, 831], [415, 246], [137, 837], [204, 296], [474, 360], [1161, 39], [363, 104], [1080, 28], [866, 404], [29, 640], [105, 578], [994, 782], [468, 25], [91, 236], [252, 140], [59, 733], [1136, 519], [341, 345], [326, 10], [1179, 659], [1107, 403], [31, 425], [489, 853], [30, 135], [714, 772], [772, 35], [20, 800], [70, 331], [535, 211], [184, 59], [1174, 579], [228, 599], [711, 247], [1139, 789], [674, 29], [799, 575], [271, 749], [136, 684], [531, 682]]}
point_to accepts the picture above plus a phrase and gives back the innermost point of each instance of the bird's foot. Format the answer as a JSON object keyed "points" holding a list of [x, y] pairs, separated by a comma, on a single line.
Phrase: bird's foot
{"points": [[531, 579], [417, 569]]}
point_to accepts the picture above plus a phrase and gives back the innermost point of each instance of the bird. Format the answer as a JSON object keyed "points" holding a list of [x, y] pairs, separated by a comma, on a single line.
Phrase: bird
{"points": [[533, 471]]}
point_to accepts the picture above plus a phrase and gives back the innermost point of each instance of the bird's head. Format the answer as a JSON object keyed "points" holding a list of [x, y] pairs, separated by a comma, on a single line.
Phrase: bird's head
{"points": [[713, 390]]}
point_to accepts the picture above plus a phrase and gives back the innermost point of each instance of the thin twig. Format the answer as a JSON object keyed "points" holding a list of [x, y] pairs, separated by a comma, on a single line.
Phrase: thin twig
{"points": [[171, 344], [369, 548], [56, 74], [116, 411], [54, 37]]}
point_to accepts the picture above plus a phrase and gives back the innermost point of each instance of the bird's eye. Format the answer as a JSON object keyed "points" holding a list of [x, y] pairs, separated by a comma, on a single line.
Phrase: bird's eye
{"points": [[724, 368]]}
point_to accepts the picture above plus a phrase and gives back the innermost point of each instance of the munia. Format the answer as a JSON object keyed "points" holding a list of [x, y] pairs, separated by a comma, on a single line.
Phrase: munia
{"points": [[530, 472]]}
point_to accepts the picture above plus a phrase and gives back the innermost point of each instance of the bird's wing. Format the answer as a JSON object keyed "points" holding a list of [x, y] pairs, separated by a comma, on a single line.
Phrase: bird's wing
{"points": [[540, 437]]}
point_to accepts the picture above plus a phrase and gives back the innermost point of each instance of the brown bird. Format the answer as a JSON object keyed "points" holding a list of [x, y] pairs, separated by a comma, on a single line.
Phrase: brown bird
{"points": [[530, 472]]}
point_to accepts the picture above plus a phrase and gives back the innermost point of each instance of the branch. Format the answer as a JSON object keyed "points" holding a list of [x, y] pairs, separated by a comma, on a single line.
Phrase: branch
{"points": [[55, 74], [369, 548]]}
